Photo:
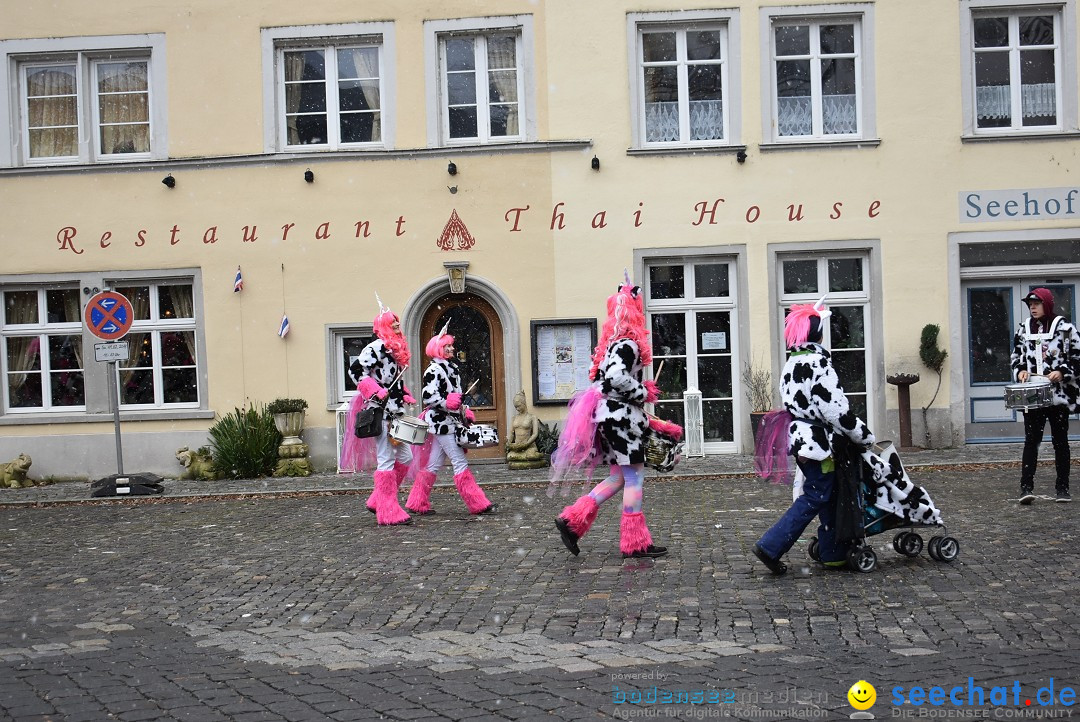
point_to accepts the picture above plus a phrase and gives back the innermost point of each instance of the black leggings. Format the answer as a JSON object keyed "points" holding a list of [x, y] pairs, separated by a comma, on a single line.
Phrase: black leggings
{"points": [[1034, 423]]}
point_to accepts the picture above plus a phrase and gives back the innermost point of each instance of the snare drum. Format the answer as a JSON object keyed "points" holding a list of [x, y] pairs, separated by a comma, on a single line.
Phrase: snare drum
{"points": [[662, 452], [409, 429], [1035, 393], [477, 436]]}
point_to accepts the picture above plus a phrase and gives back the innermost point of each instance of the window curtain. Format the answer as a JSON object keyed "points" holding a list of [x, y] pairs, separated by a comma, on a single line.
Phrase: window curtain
{"points": [[53, 111], [994, 102], [503, 80], [22, 350], [140, 305], [294, 70], [367, 66], [124, 107], [184, 307], [72, 311]]}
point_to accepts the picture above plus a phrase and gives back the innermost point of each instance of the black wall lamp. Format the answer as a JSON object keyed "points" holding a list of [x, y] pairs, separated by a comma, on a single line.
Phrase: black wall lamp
{"points": [[309, 176], [169, 181], [452, 168], [741, 156], [595, 163]]}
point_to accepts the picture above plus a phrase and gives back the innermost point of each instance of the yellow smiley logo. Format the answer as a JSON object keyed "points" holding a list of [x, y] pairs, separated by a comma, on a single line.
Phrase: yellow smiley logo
{"points": [[862, 695]]}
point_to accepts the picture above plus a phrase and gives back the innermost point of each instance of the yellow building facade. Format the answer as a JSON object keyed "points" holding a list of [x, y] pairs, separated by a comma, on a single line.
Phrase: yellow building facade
{"points": [[500, 164]]}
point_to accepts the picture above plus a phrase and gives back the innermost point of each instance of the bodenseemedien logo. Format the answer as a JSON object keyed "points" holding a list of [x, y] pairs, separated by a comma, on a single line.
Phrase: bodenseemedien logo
{"points": [[862, 696]]}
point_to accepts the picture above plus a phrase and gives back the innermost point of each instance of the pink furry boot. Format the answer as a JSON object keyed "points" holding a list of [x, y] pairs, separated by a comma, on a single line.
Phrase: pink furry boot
{"points": [[471, 493], [387, 510], [400, 470], [420, 495], [635, 539], [575, 520]]}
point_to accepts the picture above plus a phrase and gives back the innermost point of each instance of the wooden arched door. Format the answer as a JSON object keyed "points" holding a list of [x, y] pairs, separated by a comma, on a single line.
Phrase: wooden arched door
{"points": [[478, 341]]}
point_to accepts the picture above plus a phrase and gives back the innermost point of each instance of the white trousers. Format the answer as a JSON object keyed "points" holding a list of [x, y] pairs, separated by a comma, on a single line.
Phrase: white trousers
{"points": [[388, 453], [445, 445]]}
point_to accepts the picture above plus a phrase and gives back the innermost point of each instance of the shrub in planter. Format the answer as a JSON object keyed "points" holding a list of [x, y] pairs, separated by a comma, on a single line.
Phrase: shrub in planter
{"points": [[548, 438], [286, 406], [244, 443]]}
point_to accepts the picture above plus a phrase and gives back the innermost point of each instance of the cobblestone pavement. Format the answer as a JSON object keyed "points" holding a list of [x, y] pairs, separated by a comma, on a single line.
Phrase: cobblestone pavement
{"points": [[297, 607]]}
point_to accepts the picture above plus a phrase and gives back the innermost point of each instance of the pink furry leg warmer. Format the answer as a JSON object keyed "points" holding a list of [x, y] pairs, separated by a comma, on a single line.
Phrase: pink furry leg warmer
{"points": [[580, 515], [471, 493], [400, 470], [634, 536], [370, 503], [420, 495], [387, 510]]}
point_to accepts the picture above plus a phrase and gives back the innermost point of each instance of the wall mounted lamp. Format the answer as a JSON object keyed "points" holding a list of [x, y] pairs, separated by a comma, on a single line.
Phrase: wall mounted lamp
{"points": [[169, 181], [452, 168], [456, 271], [741, 156], [309, 176], [595, 163]]}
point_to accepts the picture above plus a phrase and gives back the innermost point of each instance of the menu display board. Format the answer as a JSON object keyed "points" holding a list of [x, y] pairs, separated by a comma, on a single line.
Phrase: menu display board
{"points": [[561, 358]]}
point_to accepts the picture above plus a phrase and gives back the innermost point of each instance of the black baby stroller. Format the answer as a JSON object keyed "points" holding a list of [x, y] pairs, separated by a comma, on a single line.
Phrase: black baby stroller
{"points": [[874, 495]]}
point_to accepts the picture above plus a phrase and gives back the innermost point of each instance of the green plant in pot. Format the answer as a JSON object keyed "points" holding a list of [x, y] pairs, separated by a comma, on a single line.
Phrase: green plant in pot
{"points": [[289, 418], [757, 385], [244, 443]]}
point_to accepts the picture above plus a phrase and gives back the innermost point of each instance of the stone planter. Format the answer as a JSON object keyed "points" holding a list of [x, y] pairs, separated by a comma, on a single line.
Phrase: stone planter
{"points": [[290, 425]]}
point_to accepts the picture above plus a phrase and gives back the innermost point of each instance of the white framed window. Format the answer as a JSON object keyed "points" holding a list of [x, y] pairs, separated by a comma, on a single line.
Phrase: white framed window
{"points": [[84, 100], [162, 368], [683, 68], [844, 276], [41, 335], [480, 80], [329, 87], [692, 311], [819, 73], [1019, 67], [345, 342]]}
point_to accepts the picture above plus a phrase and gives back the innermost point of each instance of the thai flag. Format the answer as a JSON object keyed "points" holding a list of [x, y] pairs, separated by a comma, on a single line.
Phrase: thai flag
{"points": [[283, 329], [238, 283]]}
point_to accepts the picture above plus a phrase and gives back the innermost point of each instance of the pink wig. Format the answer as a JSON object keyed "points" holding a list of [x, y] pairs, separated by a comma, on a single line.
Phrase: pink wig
{"points": [[436, 347], [394, 341], [626, 319], [797, 324]]}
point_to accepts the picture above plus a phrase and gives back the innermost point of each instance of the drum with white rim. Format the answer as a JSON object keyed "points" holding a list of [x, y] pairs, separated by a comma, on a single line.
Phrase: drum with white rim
{"points": [[1035, 393], [409, 429]]}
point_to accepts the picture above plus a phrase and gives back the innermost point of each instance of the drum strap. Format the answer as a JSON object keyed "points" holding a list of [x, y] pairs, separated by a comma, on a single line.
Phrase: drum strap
{"points": [[1042, 338]]}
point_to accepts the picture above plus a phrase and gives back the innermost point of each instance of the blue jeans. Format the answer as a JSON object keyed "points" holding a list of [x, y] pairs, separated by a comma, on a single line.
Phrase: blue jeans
{"points": [[816, 500]]}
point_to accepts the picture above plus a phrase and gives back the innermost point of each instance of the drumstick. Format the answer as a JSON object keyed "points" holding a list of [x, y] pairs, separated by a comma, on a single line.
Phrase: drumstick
{"points": [[471, 387], [659, 370]]}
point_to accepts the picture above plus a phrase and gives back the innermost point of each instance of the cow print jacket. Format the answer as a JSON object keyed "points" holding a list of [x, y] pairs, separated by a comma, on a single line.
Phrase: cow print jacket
{"points": [[441, 379], [377, 362], [1060, 351], [811, 392], [620, 417]]}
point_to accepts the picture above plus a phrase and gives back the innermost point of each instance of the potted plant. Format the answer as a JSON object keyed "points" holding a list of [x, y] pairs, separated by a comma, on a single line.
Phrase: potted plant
{"points": [[289, 418], [757, 384]]}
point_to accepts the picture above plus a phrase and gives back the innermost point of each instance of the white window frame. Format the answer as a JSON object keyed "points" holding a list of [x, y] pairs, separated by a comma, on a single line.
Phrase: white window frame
{"points": [[42, 330], [84, 53], [438, 134], [862, 16], [154, 327], [681, 22], [336, 394], [690, 305], [1065, 64], [275, 41]]}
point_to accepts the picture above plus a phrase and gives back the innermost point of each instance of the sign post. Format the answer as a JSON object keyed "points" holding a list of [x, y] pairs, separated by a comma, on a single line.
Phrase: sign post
{"points": [[108, 315]]}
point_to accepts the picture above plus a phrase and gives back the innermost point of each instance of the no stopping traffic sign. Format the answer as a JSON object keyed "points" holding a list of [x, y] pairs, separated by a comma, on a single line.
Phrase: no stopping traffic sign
{"points": [[108, 315]]}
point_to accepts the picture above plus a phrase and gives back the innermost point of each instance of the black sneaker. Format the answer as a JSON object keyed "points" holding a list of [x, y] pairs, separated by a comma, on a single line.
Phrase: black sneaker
{"points": [[775, 566], [1026, 496], [569, 538], [650, 552], [1062, 496]]}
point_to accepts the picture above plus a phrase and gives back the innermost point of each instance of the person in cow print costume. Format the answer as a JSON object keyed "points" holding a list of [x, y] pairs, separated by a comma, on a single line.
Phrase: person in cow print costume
{"points": [[442, 410], [811, 394], [607, 424], [374, 371], [1047, 345]]}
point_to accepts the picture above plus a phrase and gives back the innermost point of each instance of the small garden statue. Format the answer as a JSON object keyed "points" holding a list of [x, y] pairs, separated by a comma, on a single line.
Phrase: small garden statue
{"points": [[521, 451], [13, 473], [198, 465]]}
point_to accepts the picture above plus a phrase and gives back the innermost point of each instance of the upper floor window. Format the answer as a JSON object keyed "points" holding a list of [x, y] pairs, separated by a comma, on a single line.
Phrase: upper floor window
{"points": [[330, 87], [482, 81], [85, 100], [41, 335], [820, 74], [1020, 67]]}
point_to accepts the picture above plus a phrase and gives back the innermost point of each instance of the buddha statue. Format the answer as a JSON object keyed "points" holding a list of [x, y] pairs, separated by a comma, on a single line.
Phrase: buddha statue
{"points": [[521, 451]]}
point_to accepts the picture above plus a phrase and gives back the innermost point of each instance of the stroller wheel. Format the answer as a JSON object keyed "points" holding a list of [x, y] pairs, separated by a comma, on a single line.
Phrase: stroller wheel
{"points": [[814, 551], [932, 548], [911, 545], [948, 549], [862, 559], [898, 541]]}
